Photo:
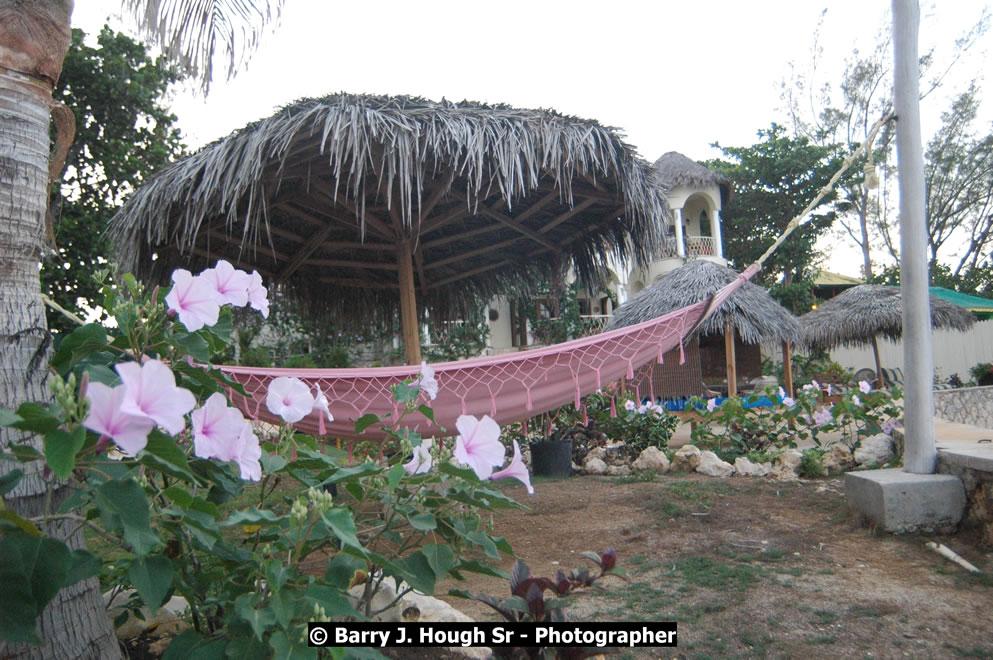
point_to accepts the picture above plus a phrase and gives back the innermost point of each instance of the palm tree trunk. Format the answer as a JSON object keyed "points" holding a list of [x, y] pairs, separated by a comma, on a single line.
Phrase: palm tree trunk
{"points": [[74, 625]]}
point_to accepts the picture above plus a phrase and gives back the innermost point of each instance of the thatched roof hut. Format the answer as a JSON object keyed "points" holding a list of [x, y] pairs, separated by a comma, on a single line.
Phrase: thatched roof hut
{"points": [[755, 314], [675, 169], [353, 202], [858, 315]]}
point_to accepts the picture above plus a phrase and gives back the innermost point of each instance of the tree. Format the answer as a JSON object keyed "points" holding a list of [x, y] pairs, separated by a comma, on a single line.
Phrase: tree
{"points": [[774, 180], [124, 132], [34, 38], [845, 112], [959, 182]]}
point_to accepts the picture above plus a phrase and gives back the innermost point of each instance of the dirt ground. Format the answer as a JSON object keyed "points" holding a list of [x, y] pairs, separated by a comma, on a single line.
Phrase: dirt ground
{"points": [[749, 568]]}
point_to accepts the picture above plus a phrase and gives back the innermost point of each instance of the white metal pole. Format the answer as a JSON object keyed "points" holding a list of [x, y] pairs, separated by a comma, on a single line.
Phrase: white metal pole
{"points": [[920, 455]]}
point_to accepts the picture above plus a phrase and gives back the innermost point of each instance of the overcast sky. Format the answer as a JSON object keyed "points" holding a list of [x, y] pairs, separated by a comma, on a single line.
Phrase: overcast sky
{"points": [[673, 76]]}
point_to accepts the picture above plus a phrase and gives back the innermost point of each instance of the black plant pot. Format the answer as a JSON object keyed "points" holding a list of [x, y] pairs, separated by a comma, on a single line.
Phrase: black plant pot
{"points": [[552, 458]]}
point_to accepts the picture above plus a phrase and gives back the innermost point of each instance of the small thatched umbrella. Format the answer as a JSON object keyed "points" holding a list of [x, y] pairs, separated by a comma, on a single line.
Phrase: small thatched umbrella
{"points": [[751, 311], [354, 202], [857, 316]]}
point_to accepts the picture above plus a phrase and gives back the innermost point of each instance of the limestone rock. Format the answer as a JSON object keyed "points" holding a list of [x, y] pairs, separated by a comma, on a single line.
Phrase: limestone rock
{"points": [[594, 466], [713, 466], [786, 467], [875, 450], [746, 468], [418, 607], [838, 459], [599, 453], [618, 471], [687, 459], [652, 458], [783, 473]]}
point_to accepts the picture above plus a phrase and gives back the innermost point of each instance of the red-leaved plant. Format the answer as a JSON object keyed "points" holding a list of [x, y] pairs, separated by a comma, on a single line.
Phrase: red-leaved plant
{"points": [[528, 601]]}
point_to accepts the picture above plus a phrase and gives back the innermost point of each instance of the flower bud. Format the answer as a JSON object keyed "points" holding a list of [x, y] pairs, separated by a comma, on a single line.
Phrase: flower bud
{"points": [[608, 560]]}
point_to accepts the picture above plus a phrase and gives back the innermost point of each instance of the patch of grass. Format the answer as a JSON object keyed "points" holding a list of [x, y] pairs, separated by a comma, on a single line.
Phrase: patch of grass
{"points": [[705, 572], [974, 652], [821, 639], [824, 617], [864, 611], [638, 477]]}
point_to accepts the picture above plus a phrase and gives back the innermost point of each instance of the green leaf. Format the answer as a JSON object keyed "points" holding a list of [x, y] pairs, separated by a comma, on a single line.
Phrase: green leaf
{"points": [[123, 504], [152, 577], [342, 570], [24, 453], [163, 453], [79, 343], [405, 393], [10, 480], [284, 606], [32, 570], [423, 522], [194, 345], [475, 566], [83, 565], [394, 476], [36, 418], [252, 517], [335, 603], [61, 448], [341, 523], [13, 521], [365, 421], [283, 649], [440, 558], [418, 572], [272, 462], [427, 411], [9, 417], [258, 619]]}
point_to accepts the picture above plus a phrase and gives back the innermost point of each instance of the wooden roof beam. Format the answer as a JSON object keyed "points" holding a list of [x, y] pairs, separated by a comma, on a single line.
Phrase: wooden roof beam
{"points": [[469, 273], [304, 253], [558, 220], [518, 227], [472, 253], [472, 233]]}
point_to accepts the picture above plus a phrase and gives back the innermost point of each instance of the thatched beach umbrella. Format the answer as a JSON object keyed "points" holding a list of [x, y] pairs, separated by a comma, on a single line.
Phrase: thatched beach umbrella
{"points": [[751, 311], [353, 203], [857, 316]]}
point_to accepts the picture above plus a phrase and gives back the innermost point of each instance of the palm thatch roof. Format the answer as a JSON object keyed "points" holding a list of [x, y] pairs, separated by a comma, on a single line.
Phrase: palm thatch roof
{"points": [[751, 310], [324, 196], [860, 313], [675, 169]]}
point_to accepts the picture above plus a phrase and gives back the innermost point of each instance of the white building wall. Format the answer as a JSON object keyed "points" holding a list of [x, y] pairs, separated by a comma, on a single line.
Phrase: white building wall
{"points": [[954, 352]]}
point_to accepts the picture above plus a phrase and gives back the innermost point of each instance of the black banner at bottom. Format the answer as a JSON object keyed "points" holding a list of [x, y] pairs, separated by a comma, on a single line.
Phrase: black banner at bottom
{"points": [[560, 634]]}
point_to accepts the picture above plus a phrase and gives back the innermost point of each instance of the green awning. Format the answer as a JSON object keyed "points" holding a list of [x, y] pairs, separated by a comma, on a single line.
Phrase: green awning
{"points": [[971, 303]]}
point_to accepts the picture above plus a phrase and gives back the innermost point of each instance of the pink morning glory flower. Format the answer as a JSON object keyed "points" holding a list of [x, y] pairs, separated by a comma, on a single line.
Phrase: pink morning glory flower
{"points": [[629, 405], [426, 381], [217, 429], [290, 398], [421, 462], [856, 400], [150, 391], [516, 470], [194, 299], [788, 401], [230, 284], [865, 387], [478, 444], [823, 416], [130, 432], [249, 454], [782, 393], [711, 404], [257, 294]]}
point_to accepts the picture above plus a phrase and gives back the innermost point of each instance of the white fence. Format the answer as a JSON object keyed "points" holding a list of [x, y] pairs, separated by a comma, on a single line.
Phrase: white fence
{"points": [[954, 352]]}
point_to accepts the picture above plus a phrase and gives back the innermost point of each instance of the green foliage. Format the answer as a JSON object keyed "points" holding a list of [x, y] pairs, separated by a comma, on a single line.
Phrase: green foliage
{"points": [[124, 132], [812, 463], [457, 340], [554, 314], [185, 525], [739, 429], [774, 180]]}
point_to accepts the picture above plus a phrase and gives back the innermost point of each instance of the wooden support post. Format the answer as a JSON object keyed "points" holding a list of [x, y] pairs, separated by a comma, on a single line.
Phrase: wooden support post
{"points": [[880, 376], [408, 303], [788, 368], [729, 357]]}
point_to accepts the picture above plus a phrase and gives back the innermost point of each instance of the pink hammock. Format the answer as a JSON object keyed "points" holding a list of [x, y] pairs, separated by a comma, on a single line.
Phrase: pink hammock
{"points": [[508, 388]]}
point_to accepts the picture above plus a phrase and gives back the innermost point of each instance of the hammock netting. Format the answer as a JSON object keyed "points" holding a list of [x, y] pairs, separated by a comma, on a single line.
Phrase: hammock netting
{"points": [[508, 388]]}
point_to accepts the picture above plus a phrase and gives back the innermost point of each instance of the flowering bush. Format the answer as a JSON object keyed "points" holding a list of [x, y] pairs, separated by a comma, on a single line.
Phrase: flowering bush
{"points": [[758, 422], [156, 459]]}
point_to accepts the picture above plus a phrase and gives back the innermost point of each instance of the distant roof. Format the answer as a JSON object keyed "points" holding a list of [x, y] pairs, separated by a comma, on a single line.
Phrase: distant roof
{"points": [[971, 303], [827, 278], [675, 169]]}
